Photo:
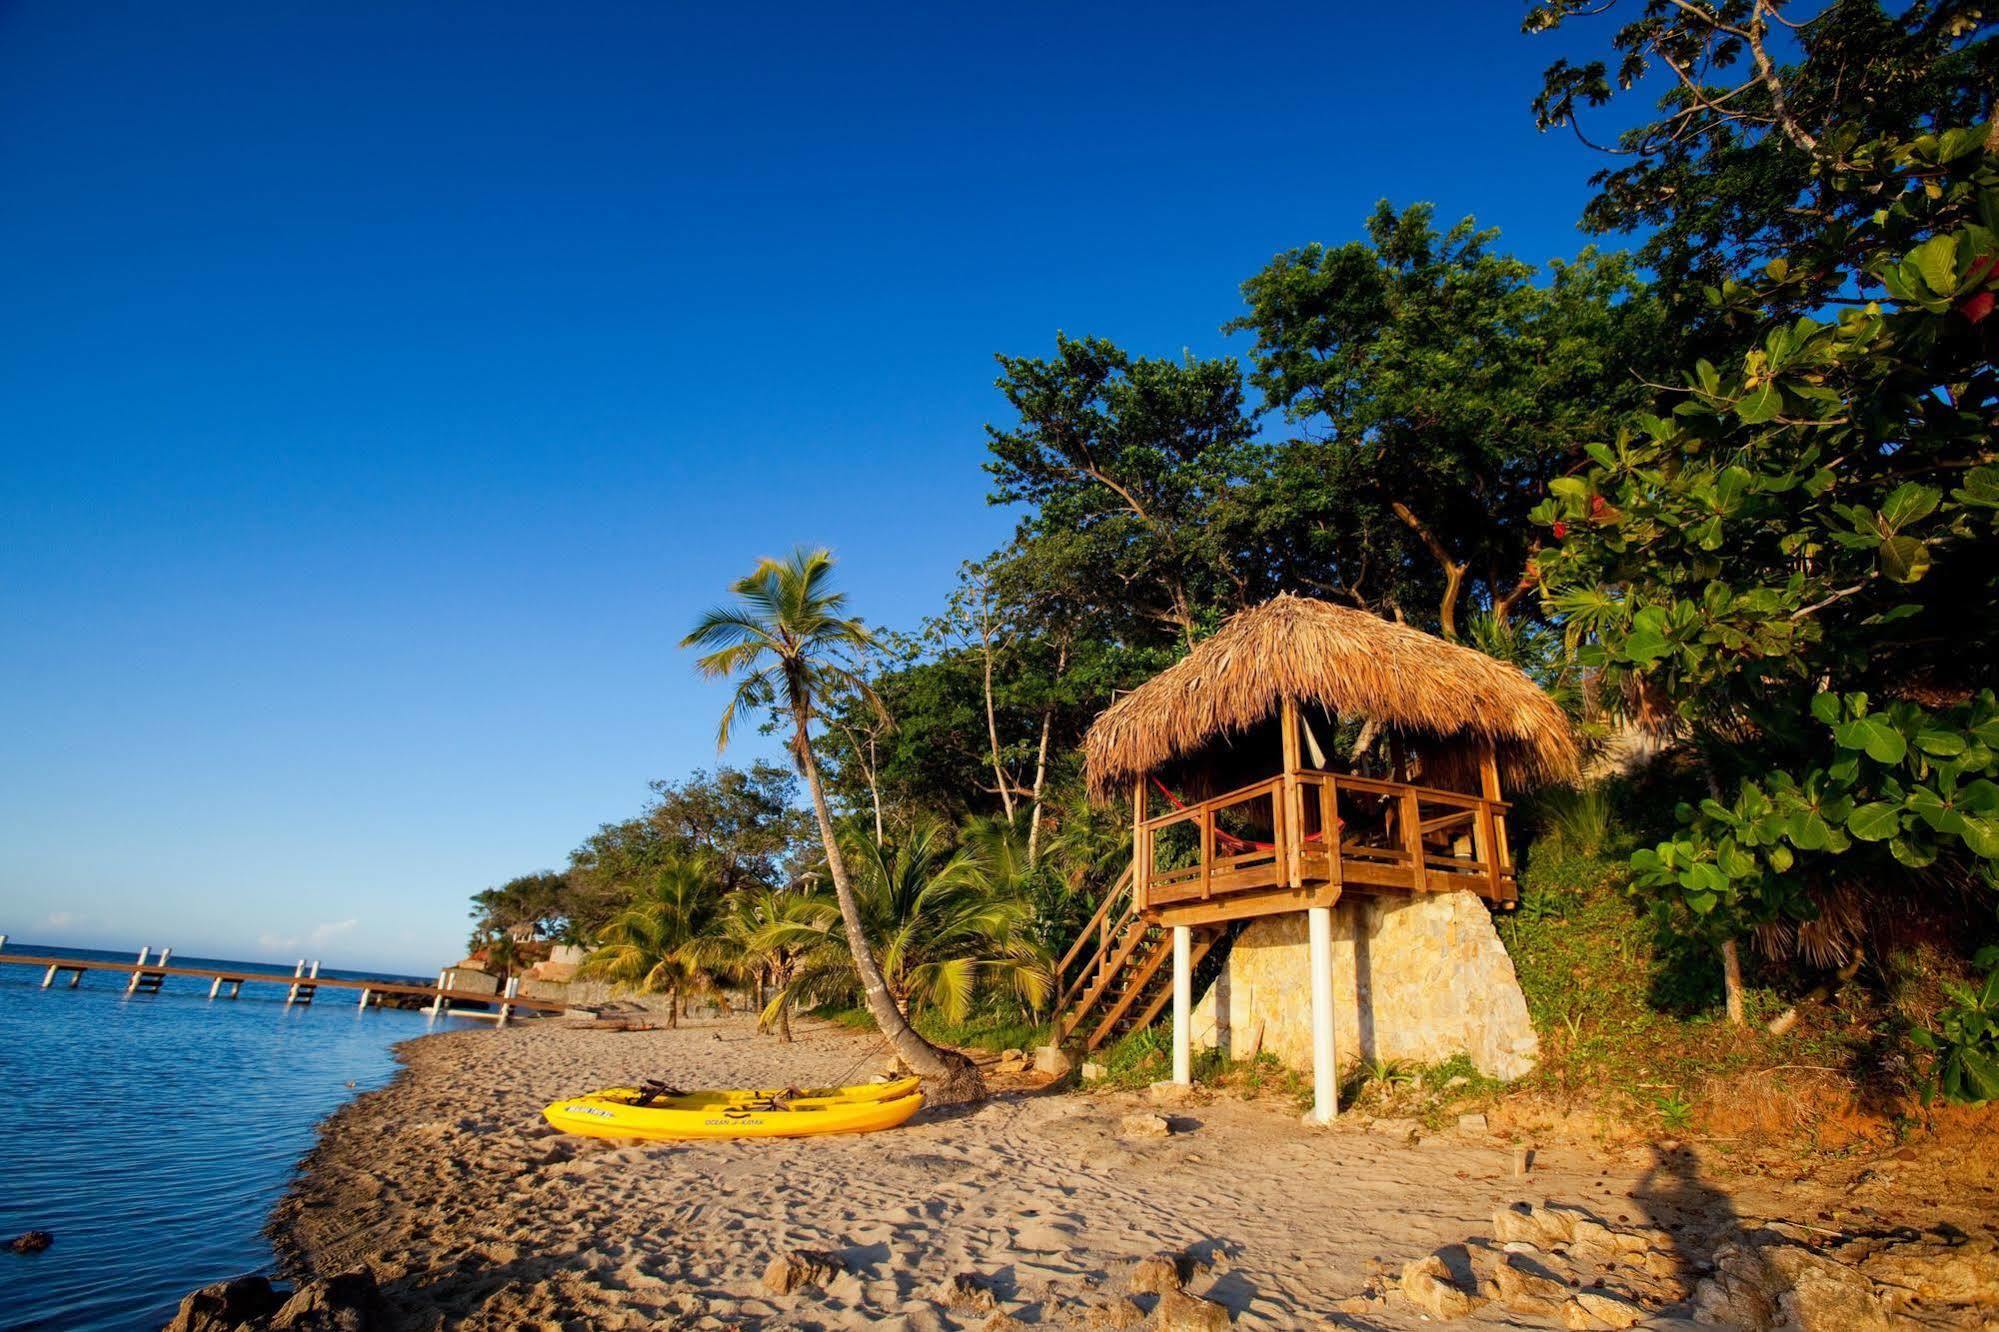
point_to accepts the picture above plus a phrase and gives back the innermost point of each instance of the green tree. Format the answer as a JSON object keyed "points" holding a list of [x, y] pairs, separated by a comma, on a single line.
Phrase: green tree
{"points": [[663, 941], [1764, 106], [947, 923], [1805, 531], [1442, 385], [787, 644], [1125, 459], [540, 900]]}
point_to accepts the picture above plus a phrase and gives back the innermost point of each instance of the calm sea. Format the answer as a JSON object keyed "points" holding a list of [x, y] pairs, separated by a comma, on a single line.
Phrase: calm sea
{"points": [[151, 1134]]}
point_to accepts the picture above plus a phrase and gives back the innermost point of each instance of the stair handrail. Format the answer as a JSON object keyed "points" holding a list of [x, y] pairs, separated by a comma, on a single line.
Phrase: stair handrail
{"points": [[1100, 931]]}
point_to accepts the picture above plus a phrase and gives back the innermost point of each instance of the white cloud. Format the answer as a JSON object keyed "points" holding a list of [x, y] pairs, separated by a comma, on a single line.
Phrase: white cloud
{"points": [[331, 930], [60, 920]]}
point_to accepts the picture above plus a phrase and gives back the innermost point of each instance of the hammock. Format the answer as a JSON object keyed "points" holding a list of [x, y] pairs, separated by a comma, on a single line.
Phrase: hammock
{"points": [[1234, 845]]}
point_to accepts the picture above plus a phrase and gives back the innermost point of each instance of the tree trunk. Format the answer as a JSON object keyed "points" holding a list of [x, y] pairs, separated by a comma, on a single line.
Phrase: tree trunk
{"points": [[954, 1078], [762, 1002], [992, 735], [1731, 981], [784, 1022], [1454, 570], [1041, 759], [673, 1007], [874, 795]]}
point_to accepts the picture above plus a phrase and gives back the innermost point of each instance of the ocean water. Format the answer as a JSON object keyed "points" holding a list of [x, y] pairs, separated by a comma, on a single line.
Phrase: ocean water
{"points": [[152, 1134]]}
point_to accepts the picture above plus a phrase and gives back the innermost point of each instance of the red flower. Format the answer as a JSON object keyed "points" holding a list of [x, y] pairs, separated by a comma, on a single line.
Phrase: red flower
{"points": [[1976, 306], [1596, 506], [1561, 529]]}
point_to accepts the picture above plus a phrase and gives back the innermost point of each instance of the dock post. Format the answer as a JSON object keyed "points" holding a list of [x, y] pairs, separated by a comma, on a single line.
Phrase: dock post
{"points": [[439, 1004], [365, 992], [298, 971], [3, 943], [513, 990], [215, 986], [49, 977], [1183, 1004], [145, 951], [165, 954], [1325, 1078]]}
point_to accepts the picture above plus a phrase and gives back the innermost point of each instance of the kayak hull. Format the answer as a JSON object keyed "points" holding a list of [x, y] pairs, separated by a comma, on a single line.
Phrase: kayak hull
{"points": [[665, 1121], [860, 1093]]}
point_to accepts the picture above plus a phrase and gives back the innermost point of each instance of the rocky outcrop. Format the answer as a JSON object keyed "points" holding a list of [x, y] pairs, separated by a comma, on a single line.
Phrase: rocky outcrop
{"points": [[1419, 977], [345, 1302], [798, 1269], [1569, 1266]]}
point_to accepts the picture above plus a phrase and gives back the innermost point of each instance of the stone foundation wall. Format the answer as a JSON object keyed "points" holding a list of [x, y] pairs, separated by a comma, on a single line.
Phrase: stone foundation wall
{"points": [[1420, 977]]}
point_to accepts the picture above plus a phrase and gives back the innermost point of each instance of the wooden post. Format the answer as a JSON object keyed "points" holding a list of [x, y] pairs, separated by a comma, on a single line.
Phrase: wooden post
{"points": [[439, 1004], [3, 943], [298, 972], [1325, 1071], [1488, 781], [132, 983], [1329, 827], [513, 990], [49, 976], [1412, 838], [165, 954], [1183, 1004], [364, 998], [215, 986], [1292, 841], [1141, 849]]}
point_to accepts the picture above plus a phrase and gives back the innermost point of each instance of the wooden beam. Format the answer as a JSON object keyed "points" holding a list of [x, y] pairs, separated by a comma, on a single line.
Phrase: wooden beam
{"points": [[1247, 905], [1291, 831]]}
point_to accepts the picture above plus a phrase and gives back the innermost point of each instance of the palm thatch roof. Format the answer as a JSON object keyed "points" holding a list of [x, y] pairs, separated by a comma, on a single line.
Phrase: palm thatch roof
{"points": [[1354, 665]]}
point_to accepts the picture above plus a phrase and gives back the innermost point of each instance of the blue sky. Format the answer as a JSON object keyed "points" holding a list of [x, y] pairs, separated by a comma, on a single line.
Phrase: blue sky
{"points": [[384, 388]]}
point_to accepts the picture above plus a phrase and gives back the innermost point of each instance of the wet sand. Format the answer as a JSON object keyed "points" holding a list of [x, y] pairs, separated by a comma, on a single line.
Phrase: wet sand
{"points": [[474, 1213]]}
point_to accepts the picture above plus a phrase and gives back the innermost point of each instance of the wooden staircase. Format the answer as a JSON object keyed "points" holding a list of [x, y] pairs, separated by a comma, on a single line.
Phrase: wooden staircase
{"points": [[1118, 975]]}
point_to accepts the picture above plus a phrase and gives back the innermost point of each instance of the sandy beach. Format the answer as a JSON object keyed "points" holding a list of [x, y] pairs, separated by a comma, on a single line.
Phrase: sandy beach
{"points": [[473, 1213]]}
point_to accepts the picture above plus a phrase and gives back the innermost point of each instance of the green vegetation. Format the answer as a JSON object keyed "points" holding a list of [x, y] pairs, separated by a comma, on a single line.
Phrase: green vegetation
{"points": [[1732, 498]]}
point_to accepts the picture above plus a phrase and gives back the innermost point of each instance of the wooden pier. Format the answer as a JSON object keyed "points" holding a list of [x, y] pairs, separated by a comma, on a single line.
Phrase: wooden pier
{"points": [[148, 974]]}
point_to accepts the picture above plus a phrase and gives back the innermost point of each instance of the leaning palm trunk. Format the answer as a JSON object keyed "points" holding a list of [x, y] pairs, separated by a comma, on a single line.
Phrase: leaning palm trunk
{"points": [[953, 1077]]}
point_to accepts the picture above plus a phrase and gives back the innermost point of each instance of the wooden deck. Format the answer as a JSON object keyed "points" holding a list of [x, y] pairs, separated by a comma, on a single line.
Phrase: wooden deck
{"points": [[1305, 837], [143, 972]]}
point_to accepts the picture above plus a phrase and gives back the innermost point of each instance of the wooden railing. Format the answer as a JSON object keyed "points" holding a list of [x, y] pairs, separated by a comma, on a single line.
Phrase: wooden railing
{"points": [[1312, 826], [1092, 958]]}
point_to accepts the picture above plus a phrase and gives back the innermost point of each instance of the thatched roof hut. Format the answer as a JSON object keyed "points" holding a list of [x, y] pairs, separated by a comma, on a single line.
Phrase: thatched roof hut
{"points": [[1442, 699]]}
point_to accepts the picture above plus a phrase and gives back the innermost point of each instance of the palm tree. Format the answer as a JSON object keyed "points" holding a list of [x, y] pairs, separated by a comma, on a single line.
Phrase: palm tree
{"points": [[662, 941], [948, 924], [759, 935], [787, 645]]}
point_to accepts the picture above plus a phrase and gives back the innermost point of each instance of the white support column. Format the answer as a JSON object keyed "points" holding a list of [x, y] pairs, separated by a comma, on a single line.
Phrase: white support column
{"points": [[513, 990], [298, 972], [215, 987], [165, 955], [48, 977], [3, 943], [1325, 1084], [365, 992], [314, 973], [132, 982], [1183, 1004], [437, 1004]]}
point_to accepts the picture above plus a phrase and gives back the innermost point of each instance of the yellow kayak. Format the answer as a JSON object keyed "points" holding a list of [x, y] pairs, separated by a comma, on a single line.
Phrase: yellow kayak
{"points": [[863, 1092], [708, 1115]]}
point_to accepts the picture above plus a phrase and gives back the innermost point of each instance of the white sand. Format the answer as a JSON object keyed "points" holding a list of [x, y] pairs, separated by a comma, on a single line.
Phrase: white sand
{"points": [[475, 1213]]}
